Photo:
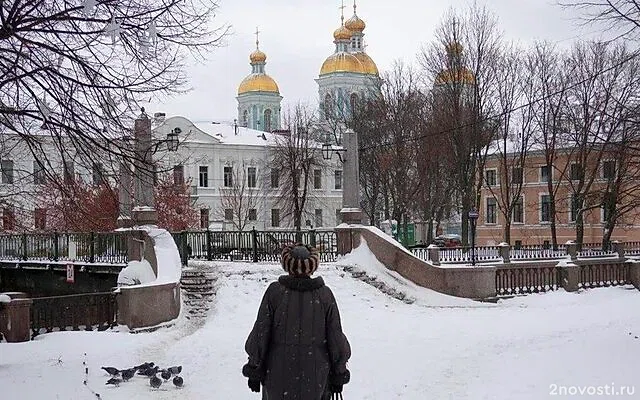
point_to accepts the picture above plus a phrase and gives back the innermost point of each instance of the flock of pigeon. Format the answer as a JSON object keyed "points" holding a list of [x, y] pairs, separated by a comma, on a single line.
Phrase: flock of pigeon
{"points": [[147, 369]]}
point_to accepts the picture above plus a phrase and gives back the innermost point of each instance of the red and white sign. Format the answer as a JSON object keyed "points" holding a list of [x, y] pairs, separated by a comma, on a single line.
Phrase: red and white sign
{"points": [[70, 273]]}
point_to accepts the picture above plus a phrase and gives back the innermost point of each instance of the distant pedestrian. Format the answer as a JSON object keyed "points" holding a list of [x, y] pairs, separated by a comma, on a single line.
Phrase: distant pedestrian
{"points": [[297, 349]]}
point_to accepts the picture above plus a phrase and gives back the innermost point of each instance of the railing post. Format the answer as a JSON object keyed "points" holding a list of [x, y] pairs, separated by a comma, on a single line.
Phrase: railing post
{"points": [[572, 250], [25, 254], [184, 246], [209, 250], [92, 247], [618, 247], [254, 239], [312, 237], [56, 246], [434, 254], [504, 250]]}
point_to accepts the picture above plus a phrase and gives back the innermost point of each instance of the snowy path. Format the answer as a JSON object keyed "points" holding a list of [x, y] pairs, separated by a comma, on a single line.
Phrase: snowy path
{"points": [[514, 350]]}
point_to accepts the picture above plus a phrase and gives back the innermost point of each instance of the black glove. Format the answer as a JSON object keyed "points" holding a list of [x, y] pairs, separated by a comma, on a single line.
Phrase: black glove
{"points": [[337, 381], [254, 386]]}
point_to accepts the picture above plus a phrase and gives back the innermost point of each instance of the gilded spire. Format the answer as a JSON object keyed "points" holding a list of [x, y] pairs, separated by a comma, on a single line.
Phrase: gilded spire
{"points": [[257, 56], [257, 32], [342, 13]]}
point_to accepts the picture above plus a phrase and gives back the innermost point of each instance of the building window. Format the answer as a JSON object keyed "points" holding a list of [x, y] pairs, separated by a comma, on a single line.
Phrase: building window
{"points": [[490, 177], [576, 172], [228, 176], [609, 170], [178, 175], [204, 218], [354, 102], [317, 179], [328, 105], [275, 178], [518, 211], [203, 175], [245, 118], [574, 207], [338, 216], [228, 214], [69, 173], [98, 174], [40, 218], [545, 208], [275, 217], [267, 120], [318, 215], [8, 219], [38, 173], [338, 180], [252, 179], [491, 210], [253, 214], [545, 173], [7, 171], [516, 175]]}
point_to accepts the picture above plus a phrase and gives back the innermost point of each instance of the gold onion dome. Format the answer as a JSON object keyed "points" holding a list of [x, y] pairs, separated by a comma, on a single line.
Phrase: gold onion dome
{"points": [[258, 83], [257, 56], [342, 62], [342, 33], [355, 24], [368, 65], [459, 75]]}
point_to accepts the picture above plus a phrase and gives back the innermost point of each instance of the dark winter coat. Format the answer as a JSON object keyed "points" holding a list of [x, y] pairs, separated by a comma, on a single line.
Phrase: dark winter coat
{"points": [[297, 340]]}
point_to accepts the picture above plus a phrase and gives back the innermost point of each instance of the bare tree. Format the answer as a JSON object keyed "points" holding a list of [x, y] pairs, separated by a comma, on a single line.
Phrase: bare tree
{"points": [[240, 196], [622, 17], [75, 71], [295, 155]]}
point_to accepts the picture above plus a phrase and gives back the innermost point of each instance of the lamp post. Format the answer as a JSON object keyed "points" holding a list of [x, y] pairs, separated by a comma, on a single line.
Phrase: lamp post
{"points": [[473, 217]]}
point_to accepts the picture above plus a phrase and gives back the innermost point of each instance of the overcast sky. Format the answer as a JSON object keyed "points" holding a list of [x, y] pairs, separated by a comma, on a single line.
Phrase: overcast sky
{"points": [[297, 36]]}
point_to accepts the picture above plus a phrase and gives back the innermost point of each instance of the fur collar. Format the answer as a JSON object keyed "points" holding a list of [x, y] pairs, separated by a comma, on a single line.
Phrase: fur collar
{"points": [[301, 283]]}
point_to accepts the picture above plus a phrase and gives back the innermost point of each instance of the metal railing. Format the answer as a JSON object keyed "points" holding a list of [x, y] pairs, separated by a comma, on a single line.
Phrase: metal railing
{"points": [[251, 246], [92, 247], [511, 281], [604, 275], [72, 312]]}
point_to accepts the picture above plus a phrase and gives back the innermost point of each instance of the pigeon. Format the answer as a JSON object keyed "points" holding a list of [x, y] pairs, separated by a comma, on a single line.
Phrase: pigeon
{"points": [[128, 374], [178, 381], [175, 370], [155, 382], [165, 374], [112, 371], [114, 381], [149, 372], [146, 365]]}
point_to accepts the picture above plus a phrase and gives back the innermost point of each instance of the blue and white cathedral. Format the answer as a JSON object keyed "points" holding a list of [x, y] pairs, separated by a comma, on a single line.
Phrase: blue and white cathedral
{"points": [[346, 77]]}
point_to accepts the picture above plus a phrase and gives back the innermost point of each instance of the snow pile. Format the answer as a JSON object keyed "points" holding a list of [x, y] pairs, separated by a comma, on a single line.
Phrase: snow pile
{"points": [[364, 261], [167, 255], [5, 298], [136, 273]]}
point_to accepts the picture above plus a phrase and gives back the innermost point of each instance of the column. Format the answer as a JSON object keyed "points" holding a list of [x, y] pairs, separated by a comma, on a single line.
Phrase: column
{"points": [[351, 212]]}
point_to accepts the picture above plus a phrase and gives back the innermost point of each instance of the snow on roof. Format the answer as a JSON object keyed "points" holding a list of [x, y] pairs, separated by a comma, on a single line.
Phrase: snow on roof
{"points": [[236, 135]]}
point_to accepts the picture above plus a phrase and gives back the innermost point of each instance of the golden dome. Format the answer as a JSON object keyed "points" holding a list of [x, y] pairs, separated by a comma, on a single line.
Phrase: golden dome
{"points": [[342, 33], [257, 56], [462, 75], [258, 83], [367, 63], [342, 62], [355, 24]]}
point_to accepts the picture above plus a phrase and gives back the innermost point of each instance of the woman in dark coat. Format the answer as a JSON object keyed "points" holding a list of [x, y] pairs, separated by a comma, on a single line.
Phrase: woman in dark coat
{"points": [[297, 349]]}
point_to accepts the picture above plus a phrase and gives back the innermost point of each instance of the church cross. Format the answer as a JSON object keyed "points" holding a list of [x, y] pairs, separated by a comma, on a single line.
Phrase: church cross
{"points": [[257, 32]]}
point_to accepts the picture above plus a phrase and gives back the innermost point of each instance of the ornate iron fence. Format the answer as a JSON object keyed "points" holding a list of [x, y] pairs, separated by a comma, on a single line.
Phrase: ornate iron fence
{"points": [[535, 252], [72, 312], [594, 250], [92, 247], [526, 280], [252, 246], [603, 275]]}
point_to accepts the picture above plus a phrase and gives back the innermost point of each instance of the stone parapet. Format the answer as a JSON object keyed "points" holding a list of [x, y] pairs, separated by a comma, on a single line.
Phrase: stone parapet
{"points": [[146, 306]]}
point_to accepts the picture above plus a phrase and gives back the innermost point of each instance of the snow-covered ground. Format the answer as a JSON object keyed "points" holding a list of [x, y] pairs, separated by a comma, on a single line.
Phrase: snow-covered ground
{"points": [[437, 347]]}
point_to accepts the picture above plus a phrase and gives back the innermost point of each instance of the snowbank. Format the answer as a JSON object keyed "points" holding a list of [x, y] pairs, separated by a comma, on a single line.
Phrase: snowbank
{"points": [[136, 273], [363, 258]]}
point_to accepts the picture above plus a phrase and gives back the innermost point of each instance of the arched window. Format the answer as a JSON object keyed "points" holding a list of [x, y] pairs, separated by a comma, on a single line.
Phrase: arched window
{"points": [[328, 105], [353, 102], [245, 117], [267, 120]]}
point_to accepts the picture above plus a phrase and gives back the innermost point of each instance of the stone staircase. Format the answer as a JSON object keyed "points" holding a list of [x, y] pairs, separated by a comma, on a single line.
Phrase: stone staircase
{"points": [[198, 292]]}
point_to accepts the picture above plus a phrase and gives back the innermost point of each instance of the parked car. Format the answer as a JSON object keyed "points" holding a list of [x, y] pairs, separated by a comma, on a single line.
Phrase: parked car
{"points": [[448, 240]]}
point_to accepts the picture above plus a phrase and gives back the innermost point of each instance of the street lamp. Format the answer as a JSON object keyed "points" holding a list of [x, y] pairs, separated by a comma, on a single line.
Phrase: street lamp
{"points": [[328, 150], [473, 217]]}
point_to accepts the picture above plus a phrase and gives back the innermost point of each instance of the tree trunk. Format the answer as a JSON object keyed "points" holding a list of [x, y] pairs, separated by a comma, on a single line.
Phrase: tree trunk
{"points": [[579, 229], [507, 231]]}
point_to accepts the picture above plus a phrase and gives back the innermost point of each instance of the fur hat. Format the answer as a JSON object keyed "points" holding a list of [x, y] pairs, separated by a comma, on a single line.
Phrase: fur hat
{"points": [[300, 260]]}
